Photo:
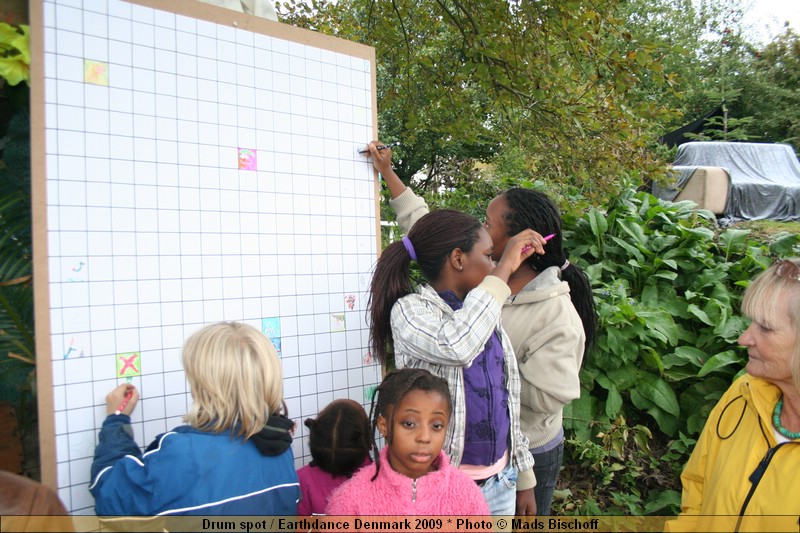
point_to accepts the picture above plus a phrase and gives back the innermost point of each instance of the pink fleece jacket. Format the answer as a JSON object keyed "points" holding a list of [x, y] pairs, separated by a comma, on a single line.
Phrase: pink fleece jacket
{"points": [[444, 491], [316, 486]]}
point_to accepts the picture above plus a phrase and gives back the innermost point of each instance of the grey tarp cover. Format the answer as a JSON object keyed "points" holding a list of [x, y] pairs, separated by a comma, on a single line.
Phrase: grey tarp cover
{"points": [[679, 176], [765, 178]]}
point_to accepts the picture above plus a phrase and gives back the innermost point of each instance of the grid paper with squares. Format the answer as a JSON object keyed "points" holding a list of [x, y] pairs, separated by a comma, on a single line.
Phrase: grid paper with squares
{"points": [[199, 172]]}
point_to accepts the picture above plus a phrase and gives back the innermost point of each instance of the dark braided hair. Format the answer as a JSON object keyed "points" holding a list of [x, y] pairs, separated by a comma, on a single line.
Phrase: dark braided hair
{"points": [[391, 392], [528, 208], [434, 236], [339, 438]]}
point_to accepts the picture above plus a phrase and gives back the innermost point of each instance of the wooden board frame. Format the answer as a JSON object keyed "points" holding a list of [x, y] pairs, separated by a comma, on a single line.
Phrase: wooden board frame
{"points": [[47, 402]]}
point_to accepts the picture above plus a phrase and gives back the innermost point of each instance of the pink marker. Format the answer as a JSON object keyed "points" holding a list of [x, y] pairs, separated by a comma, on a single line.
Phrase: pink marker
{"points": [[128, 396], [529, 246]]}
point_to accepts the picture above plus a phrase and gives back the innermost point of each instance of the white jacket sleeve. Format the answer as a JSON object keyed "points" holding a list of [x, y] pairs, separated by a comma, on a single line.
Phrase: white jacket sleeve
{"points": [[559, 350], [409, 208]]}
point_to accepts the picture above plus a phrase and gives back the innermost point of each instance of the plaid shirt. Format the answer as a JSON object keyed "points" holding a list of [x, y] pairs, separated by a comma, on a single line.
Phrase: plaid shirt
{"points": [[428, 334]]}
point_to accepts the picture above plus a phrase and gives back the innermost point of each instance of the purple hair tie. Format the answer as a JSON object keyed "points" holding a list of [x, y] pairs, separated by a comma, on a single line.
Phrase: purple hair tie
{"points": [[409, 247]]}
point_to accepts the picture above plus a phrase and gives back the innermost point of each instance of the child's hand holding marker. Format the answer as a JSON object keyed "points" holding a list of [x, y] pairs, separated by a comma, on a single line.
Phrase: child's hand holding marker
{"points": [[381, 154], [122, 400], [529, 246], [517, 250], [380, 147]]}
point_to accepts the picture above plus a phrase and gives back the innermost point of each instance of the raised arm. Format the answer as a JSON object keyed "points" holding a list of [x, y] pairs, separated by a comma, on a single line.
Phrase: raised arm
{"points": [[382, 161], [407, 206]]}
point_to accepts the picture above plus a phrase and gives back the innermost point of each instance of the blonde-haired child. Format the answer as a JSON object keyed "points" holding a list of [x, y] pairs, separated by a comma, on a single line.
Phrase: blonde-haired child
{"points": [[234, 455]]}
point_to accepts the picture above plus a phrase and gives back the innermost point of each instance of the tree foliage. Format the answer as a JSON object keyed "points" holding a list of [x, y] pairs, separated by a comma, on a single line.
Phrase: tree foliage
{"points": [[772, 94], [572, 93], [545, 84]]}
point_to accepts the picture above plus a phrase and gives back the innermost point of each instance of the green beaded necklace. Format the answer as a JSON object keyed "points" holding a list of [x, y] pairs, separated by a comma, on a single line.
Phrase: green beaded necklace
{"points": [[776, 421]]}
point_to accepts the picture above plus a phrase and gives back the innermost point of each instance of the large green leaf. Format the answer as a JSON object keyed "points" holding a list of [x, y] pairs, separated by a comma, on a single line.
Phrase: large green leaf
{"points": [[598, 223], [580, 414], [785, 244], [700, 314], [613, 402], [659, 324], [665, 503], [733, 240], [631, 250], [659, 392], [684, 355], [720, 361]]}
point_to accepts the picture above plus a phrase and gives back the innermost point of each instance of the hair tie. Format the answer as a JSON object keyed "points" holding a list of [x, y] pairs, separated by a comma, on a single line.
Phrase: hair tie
{"points": [[565, 265], [409, 247]]}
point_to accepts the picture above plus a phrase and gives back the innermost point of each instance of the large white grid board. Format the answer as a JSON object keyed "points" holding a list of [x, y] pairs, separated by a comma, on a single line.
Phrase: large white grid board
{"points": [[195, 165]]}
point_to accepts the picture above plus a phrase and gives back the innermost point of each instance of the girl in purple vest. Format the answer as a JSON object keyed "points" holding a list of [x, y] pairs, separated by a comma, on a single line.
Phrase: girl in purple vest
{"points": [[449, 324]]}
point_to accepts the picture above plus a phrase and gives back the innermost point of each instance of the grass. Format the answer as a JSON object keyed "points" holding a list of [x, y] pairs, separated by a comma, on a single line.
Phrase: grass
{"points": [[768, 228]]}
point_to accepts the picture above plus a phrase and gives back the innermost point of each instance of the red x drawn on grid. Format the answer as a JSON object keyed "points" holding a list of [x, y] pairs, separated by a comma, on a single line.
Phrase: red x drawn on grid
{"points": [[129, 363]]}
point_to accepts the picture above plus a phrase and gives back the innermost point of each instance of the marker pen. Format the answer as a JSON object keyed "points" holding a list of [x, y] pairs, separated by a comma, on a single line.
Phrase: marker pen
{"points": [[128, 396], [529, 246], [382, 147]]}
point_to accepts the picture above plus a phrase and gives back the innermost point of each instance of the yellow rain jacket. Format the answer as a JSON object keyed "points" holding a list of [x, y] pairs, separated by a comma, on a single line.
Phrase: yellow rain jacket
{"points": [[739, 477]]}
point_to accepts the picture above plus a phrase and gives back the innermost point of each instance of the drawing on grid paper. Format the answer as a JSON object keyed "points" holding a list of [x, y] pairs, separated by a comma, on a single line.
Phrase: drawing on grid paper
{"points": [[95, 72], [369, 392], [77, 273], [77, 347], [70, 348], [129, 365], [271, 327], [179, 191], [247, 159], [367, 359], [338, 322]]}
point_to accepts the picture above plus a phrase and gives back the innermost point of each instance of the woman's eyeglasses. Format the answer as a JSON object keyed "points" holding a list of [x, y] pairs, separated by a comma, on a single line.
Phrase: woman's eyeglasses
{"points": [[787, 269]]}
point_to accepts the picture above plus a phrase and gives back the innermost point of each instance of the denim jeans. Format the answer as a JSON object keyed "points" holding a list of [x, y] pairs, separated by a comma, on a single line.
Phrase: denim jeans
{"points": [[500, 492], [546, 467]]}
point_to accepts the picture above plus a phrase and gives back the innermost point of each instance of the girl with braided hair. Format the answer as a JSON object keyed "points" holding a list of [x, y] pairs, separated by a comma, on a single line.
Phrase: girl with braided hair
{"points": [[339, 441], [411, 475], [450, 325], [549, 315], [551, 320]]}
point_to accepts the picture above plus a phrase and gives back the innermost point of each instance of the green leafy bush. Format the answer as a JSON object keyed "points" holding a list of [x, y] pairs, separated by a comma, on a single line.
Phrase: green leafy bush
{"points": [[623, 470], [668, 284]]}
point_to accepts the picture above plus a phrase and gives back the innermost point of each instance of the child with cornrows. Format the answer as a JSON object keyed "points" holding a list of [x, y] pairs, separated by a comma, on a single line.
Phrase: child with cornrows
{"points": [[339, 441], [411, 475]]}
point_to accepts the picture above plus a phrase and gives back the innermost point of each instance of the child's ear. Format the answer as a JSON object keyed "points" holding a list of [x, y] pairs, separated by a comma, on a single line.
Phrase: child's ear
{"points": [[457, 259], [382, 426]]}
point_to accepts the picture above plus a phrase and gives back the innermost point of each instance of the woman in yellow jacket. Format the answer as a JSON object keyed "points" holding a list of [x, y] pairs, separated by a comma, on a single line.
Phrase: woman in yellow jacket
{"points": [[744, 473]]}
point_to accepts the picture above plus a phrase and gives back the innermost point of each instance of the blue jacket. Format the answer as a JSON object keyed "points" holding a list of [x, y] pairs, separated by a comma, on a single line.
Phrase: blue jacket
{"points": [[191, 472]]}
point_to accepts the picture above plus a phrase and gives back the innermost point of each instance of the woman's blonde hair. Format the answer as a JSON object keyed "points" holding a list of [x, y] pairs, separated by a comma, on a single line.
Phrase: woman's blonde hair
{"points": [[761, 299], [235, 378]]}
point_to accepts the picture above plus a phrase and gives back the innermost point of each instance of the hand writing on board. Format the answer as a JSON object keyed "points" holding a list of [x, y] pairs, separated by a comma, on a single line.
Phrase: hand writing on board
{"points": [[123, 399], [381, 156]]}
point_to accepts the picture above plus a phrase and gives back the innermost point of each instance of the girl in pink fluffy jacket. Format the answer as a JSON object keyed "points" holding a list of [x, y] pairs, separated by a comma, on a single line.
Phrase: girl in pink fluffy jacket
{"points": [[411, 475]]}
